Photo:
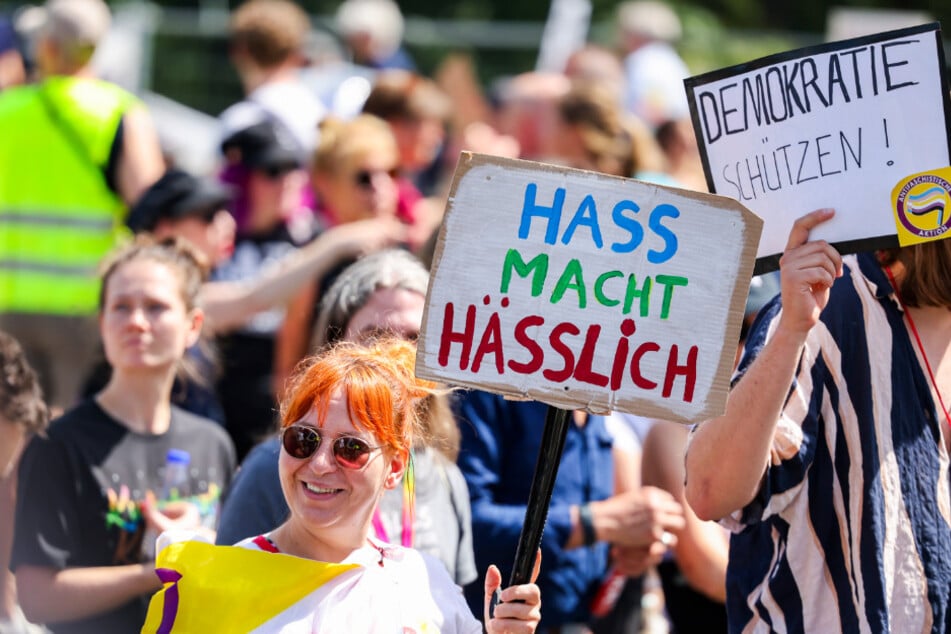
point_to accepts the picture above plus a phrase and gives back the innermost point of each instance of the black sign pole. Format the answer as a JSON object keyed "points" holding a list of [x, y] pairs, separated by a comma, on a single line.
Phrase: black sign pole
{"points": [[543, 482]]}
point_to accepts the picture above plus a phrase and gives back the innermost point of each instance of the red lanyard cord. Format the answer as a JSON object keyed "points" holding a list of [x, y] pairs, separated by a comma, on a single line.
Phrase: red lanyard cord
{"points": [[921, 347]]}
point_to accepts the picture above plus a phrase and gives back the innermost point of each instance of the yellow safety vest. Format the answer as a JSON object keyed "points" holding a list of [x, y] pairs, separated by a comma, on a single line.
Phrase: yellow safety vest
{"points": [[58, 217]]}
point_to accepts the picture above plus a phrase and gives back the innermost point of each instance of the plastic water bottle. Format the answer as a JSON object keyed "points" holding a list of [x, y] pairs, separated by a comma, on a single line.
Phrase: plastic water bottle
{"points": [[175, 481], [174, 487]]}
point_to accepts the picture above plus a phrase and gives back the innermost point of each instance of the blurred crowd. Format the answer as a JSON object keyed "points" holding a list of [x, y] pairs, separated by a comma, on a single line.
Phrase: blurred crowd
{"points": [[317, 225]]}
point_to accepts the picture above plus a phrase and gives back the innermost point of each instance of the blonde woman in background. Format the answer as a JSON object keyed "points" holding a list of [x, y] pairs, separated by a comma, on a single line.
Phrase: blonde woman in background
{"points": [[355, 177]]}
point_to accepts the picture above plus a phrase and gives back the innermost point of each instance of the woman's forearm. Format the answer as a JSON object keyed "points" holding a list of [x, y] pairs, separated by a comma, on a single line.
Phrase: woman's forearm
{"points": [[727, 456], [49, 596], [230, 304]]}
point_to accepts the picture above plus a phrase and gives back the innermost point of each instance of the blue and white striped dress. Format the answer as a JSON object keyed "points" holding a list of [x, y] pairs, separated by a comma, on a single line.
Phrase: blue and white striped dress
{"points": [[851, 528]]}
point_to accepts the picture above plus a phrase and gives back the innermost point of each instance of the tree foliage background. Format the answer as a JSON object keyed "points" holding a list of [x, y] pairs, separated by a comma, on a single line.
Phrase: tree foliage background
{"points": [[192, 67]]}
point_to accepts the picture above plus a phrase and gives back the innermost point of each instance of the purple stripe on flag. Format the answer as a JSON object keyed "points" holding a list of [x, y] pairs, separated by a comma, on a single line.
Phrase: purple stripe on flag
{"points": [[170, 605]]}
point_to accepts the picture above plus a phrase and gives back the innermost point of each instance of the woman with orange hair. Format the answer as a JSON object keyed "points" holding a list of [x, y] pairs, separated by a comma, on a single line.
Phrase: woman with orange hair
{"points": [[348, 425]]}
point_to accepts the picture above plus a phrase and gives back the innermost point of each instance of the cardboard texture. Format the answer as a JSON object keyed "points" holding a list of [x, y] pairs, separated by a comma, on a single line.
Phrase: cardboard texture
{"points": [[587, 291]]}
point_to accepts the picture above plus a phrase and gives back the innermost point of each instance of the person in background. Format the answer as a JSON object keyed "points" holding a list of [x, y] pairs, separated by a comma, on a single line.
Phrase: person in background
{"points": [[91, 490], [526, 109], [185, 206], [266, 45], [595, 63], [355, 175], [830, 464], [592, 132], [591, 511], [693, 577], [23, 413], [12, 67], [380, 294], [373, 30], [99, 142], [271, 226], [179, 205], [653, 69], [265, 175], [354, 172], [418, 113], [679, 143]]}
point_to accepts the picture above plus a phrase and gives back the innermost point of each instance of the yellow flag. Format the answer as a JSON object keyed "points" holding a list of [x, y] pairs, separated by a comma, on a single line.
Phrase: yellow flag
{"points": [[228, 588]]}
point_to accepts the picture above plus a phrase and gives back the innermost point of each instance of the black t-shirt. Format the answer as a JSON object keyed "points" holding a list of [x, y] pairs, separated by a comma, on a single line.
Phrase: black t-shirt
{"points": [[245, 387], [79, 489]]}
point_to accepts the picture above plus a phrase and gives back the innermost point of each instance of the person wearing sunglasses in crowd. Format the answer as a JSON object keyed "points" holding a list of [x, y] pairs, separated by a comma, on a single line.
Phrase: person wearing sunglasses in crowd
{"points": [[91, 490], [354, 171], [355, 175], [265, 173], [381, 293], [349, 422]]}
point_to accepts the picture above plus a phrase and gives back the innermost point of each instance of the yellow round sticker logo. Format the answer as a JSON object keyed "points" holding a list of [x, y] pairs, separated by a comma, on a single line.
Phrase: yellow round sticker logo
{"points": [[922, 205]]}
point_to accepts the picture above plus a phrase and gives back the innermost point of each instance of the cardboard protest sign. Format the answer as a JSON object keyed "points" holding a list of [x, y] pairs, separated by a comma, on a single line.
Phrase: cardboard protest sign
{"points": [[587, 291], [836, 125]]}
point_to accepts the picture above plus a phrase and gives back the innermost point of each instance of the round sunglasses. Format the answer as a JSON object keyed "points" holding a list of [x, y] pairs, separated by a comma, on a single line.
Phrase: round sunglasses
{"points": [[364, 178], [302, 442]]}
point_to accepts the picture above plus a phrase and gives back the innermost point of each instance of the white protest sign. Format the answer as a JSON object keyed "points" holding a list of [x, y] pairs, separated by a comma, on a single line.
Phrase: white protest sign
{"points": [[836, 125], [587, 291]]}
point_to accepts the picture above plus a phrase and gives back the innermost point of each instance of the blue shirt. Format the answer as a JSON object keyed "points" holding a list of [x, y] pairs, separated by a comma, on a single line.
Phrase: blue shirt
{"points": [[255, 503], [500, 443], [851, 528]]}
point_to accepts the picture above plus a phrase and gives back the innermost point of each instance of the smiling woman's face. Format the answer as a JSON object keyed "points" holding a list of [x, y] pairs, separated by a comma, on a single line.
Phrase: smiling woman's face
{"points": [[322, 495]]}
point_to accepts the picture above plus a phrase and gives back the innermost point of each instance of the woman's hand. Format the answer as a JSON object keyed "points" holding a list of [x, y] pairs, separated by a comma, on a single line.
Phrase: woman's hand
{"points": [[173, 515], [179, 515], [807, 271], [519, 607], [637, 518]]}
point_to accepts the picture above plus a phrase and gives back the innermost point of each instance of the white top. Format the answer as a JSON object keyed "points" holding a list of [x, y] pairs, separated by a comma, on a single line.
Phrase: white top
{"points": [[655, 87], [395, 590], [291, 103]]}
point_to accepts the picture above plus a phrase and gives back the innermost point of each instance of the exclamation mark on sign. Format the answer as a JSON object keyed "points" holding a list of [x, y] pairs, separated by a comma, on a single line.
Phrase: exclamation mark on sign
{"points": [[885, 128]]}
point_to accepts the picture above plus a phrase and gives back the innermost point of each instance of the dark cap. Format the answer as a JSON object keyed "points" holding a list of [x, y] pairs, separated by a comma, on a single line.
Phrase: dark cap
{"points": [[177, 195], [263, 146]]}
